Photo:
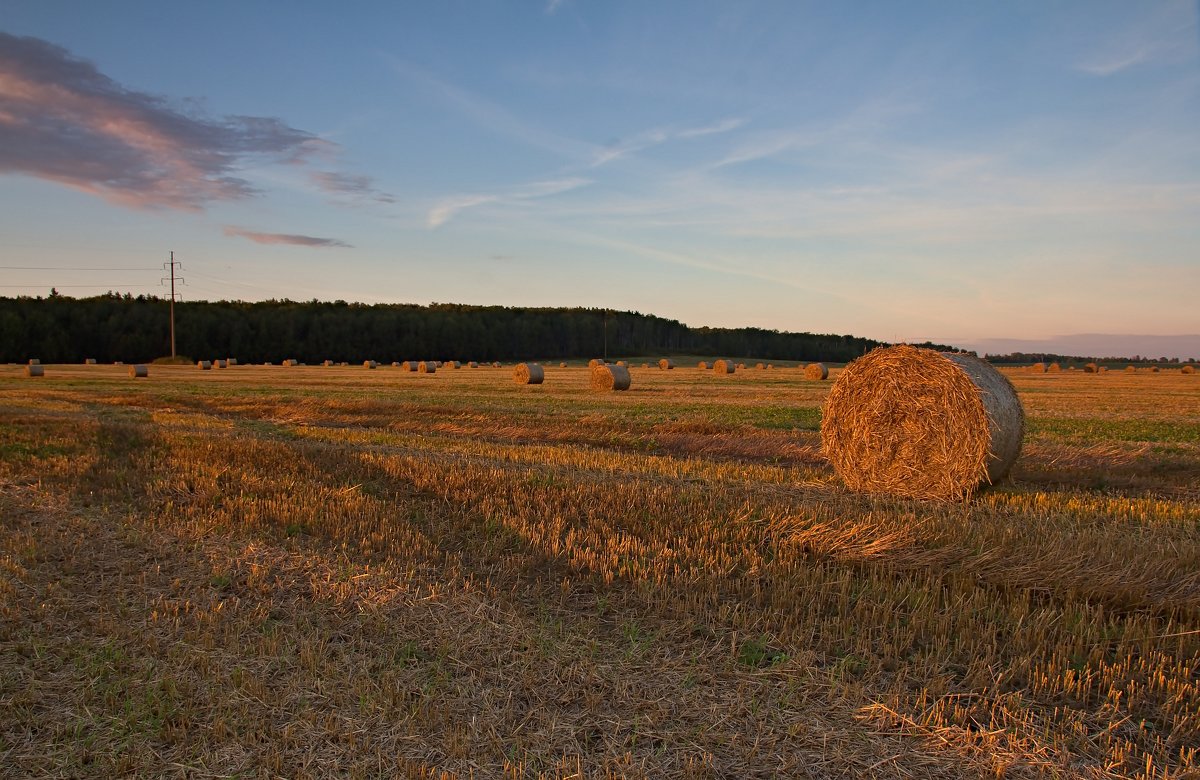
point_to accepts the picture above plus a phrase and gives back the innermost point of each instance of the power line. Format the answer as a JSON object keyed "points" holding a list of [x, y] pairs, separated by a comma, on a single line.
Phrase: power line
{"points": [[65, 268], [109, 286]]}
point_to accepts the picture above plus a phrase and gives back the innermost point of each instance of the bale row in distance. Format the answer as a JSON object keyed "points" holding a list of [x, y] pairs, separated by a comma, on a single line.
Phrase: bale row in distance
{"points": [[918, 423]]}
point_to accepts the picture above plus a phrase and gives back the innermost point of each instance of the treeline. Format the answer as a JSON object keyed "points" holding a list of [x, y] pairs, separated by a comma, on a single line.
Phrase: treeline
{"points": [[111, 327], [1065, 360]]}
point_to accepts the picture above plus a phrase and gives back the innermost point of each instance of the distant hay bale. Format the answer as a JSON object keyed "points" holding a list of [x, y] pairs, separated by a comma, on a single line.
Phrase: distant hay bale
{"points": [[139, 371], [221, 363], [1130, 369], [496, 364], [702, 365], [816, 371], [562, 365], [35, 369], [918, 423], [528, 374], [741, 366], [1054, 368], [409, 365], [724, 367], [1037, 368], [610, 377], [327, 363], [1103, 369], [427, 367], [760, 366], [204, 365], [35, 362], [1154, 369], [1091, 368], [622, 364], [90, 362], [289, 362], [472, 364], [370, 364], [666, 364], [595, 362], [437, 364], [770, 366], [395, 364], [231, 361], [1188, 370], [455, 364]]}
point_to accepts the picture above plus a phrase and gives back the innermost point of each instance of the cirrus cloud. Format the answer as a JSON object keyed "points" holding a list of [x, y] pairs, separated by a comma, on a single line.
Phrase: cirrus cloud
{"points": [[63, 120], [292, 239]]}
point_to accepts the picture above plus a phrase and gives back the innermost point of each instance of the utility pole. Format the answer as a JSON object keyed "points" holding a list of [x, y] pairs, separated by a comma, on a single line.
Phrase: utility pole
{"points": [[172, 265], [606, 335]]}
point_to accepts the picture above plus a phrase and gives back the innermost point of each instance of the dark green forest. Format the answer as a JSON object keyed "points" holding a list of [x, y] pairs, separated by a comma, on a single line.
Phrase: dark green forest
{"points": [[111, 327]]}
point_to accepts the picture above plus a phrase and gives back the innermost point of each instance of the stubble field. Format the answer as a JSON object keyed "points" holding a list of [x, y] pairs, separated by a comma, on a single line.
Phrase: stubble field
{"points": [[312, 572]]}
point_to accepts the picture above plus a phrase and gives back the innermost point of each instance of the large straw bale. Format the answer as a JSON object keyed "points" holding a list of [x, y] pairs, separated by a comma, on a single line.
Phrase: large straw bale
{"points": [[528, 374], [1091, 368], [610, 377], [473, 364], [455, 364], [562, 365], [35, 362], [327, 363], [370, 364], [231, 361], [595, 362], [409, 365], [816, 371], [915, 422], [427, 367], [139, 371], [204, 365], [35, 369], [220, 363], [1037, 368], [724, 367], [666, 364], [1188, 370], [760, 366]]}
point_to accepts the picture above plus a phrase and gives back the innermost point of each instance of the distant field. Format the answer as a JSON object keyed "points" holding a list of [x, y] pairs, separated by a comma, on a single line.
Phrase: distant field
{"points": [[313, 572]]}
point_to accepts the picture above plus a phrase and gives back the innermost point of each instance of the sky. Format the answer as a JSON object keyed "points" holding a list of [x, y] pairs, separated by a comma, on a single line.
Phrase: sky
{"points": [[980, 174]]}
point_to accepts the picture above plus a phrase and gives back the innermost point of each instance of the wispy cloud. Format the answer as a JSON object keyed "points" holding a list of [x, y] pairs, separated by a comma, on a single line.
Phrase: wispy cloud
{"points": [[350, 184], [65, 121], [657, 136], [1161, 32], [553, 5], [292, 239], [446, 209]]}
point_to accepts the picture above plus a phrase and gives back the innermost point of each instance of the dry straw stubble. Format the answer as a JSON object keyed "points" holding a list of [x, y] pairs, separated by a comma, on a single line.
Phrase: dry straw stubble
{"points": [[528, 374], [609, 378], [921, 424]]}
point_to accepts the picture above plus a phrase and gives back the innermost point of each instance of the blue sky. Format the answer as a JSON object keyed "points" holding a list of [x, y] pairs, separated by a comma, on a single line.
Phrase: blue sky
{"points": [[903, 171]]}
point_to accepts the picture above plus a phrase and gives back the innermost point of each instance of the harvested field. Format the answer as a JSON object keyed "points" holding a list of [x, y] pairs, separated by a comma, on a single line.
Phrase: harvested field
{"points": [[324, 571]]}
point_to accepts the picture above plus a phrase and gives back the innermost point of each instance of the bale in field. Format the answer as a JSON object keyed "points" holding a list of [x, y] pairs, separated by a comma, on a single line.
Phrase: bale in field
{"points": [[595, 362], [138, 371], [724, 367], [455, 364], [1091, 368], [816, 371], [288, 362], [90, 362], [370, 364], [1154, 370], [702, 365], [666, 364], [472, 364], [1037, 368], [35, 369], [204, 365], [622, 364], [1188, 370], [528, 374], [327, 363], [562, 365], [427, 367], [1130, 369], [409, 365], [35, 362], [760, 366], [221, 363], [770, 366], [607, 378], [231, 361], [918, 423], [1054, 368]]}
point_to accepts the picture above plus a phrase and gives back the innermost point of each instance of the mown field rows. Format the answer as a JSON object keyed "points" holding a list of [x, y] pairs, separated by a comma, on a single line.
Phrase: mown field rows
{"points": [[307, 571]]}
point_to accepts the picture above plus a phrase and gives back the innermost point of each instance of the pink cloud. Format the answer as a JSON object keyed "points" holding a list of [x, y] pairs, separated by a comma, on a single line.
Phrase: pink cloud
{"points": [[65, 121], [284, 238]]}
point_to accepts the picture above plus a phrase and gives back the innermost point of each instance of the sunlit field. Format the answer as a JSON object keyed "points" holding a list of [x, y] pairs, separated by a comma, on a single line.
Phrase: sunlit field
{"points": [[313, 572]]}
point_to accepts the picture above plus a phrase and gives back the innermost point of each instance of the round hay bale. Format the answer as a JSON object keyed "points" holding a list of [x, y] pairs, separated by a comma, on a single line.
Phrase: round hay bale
{"points": [[702, 365], [622, 363], [528, 374], [231, 361], [496, 364], [610, 378], [327, 363], [645, 365], [473, 364], [760, 366], [409, 365], [1037, 368], [595, 362], [35, 362], [90, 362], [454, 364], [220, 363], [1091, 368], [427, 367], [1102, 369], [204, 365], [1130, 369], [1188, 370], [139, 371], [666, 364], [562, 365], [35, 369], [918, 423], [1053, 368], [770, 366], [1154, 369], [816, 371], [724, 367], [370, 364]]}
